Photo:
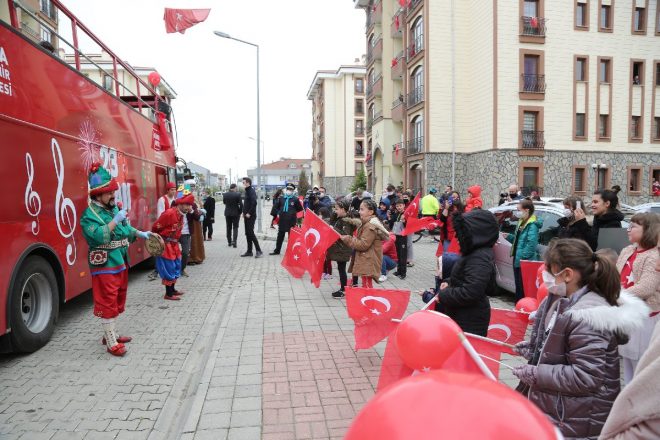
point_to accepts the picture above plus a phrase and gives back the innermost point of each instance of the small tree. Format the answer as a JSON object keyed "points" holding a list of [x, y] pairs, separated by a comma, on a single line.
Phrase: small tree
{"points": [[303, 184], [360, 181]]}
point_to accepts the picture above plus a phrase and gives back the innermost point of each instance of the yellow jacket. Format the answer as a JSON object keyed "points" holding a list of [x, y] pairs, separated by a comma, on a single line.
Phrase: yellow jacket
{"points": [[430, 205]]}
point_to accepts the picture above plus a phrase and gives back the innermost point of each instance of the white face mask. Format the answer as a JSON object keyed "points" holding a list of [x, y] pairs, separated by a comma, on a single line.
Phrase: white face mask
{"points": [[288, 192], [568, 212], [321, 194], [519, 214], [551, 284]]}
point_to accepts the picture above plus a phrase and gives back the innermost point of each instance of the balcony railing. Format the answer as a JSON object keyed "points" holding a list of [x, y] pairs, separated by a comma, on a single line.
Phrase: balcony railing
{"points": [[415, 47], [416, 96], [359, 152], [359, 131], [415, 146], [397, 109], [378, 115], [398, 65], [376, 86], [375, 51], [533, 26], [532, 140], [396, 28], [532, 83]]}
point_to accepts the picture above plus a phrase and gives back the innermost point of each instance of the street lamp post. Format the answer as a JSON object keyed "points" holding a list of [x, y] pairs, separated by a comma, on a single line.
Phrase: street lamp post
{"points": [[259, 219], [263, 161]]}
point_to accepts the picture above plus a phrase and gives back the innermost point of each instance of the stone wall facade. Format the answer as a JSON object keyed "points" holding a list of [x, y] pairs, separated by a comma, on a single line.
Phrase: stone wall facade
{"points": [[495, 170], [336, 186]]}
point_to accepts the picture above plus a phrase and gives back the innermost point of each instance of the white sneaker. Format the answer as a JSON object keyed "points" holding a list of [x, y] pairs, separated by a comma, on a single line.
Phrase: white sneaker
{"points": [[382, 278]]}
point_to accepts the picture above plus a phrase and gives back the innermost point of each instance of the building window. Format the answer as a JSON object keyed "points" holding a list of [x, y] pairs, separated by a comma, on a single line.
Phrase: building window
{"points": [[107, 82], [292, 165], [655, 182], [604, 73], [603, 126], [605, 18], [639, 20], [531, 8], [581, 69], [46, 34], [530, 178], [634, 179], [635, 129], [359, 85], [580, 125], [657, 64], [532, 76], [582, 14], [579, 184], [359, 127], [359, 148], [359, 106], [638, 73], [656, 128], [531, 135]]}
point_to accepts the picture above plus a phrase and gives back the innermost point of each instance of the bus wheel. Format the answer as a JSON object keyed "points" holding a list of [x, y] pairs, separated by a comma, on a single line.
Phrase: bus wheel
{"points": [[34, 305]]}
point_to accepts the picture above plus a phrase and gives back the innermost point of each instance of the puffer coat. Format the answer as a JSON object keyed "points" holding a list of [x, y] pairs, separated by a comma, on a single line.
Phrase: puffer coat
{"points": [[472, 278], [578, 374], [339, 251], [368, 245]]}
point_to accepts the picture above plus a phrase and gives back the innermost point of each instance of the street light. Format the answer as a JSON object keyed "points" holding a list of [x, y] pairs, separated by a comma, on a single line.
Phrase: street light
{"points": [[229, 37], [263, 160]]}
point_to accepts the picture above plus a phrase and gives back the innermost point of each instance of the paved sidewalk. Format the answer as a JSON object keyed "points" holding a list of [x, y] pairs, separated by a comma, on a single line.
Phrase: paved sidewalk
{"points": [[249, 353]]}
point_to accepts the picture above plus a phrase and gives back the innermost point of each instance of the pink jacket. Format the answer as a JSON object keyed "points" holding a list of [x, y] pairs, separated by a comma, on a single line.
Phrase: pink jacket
{"points": [[647, 280]]}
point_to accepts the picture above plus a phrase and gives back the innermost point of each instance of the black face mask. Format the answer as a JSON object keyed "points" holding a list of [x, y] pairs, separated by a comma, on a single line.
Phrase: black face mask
{"points": [[513, 195]]}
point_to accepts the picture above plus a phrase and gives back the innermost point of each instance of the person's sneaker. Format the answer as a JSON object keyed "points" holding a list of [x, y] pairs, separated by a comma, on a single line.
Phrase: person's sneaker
{"points": [[402, 277], [210, 239], [230, 245], [234, 244], [327, 276], [172, 298], [410, 264], [396, 273], [338, 294], [152, 276], [382, 278], [184, 273], [274, 253], [247, 254], [258, 254]]}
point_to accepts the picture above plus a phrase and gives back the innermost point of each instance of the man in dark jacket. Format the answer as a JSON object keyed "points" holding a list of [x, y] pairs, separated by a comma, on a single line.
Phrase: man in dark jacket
{"points": [[209, 217], [233, 209], [289, 207], [464, 297], [249, 218]]}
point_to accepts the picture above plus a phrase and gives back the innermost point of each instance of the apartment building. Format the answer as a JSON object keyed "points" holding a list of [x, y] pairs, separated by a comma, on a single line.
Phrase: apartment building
{"points": [[559, 96], [276, 175], [38, 20], [339, 124]]}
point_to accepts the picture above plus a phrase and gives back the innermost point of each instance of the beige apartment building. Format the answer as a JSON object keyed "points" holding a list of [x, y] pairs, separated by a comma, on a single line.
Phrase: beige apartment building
{"points": [[562, 96], [338, 127], [38, 20]]}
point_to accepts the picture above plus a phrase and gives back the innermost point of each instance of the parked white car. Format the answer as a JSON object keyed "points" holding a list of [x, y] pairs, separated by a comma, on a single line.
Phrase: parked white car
{"points": [[647, 207]]}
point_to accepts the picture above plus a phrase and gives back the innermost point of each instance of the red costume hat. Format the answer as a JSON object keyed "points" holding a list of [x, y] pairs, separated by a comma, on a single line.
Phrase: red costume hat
{"points": [[186, 200], [100, 181], [170, 185]]}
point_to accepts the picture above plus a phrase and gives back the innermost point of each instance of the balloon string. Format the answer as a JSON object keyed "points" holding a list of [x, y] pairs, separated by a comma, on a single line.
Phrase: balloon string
{"points": [[494, 360]]}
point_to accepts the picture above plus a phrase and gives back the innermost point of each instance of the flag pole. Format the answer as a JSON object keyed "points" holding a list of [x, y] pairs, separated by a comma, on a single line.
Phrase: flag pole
{"points": [[492, 341], [495, 360], [475, 357], [431, 301]]}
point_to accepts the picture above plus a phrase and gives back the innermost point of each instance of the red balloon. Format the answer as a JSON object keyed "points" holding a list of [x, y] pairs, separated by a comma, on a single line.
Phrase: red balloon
{"points": [[527, 305], [426, 339], [541, 293], [446, 404], [154, 78]]}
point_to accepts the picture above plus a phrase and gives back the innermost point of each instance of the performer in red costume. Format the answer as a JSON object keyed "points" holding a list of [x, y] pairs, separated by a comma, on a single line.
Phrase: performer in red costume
{"points": [[169, 226]]}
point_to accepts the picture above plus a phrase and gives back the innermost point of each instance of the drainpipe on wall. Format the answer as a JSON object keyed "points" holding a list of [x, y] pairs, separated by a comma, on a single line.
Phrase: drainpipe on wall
{"points": [[453, 98]]}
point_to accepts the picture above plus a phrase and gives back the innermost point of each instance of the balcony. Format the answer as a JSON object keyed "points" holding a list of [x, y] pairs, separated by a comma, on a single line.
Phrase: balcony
{"points": [[369, 160], [375, 52], [532, 140], [415, 97], [532, 84], [415, 146], [398, 109], [359, 152], [359, 131], [376, 87], [415, 48], [397, 153], [398, 66], [532, 29], [413, 4], [26, 29], [396, 28]]}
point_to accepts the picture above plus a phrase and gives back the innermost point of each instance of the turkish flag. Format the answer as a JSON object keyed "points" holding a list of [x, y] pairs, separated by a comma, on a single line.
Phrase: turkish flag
{"points": [[529, 270], [178, 20], [317, 237], [392, 368], [462, 362], [292, 257], [413, 208], [414, 224], [507, 326], [164, 135], [372, 310]]}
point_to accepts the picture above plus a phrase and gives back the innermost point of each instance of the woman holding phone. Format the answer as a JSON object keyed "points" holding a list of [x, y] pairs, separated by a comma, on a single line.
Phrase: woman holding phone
{"points": [[569, 225]]}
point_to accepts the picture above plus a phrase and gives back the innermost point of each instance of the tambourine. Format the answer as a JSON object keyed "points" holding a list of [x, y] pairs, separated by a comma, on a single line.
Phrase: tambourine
{"points": [[155, 245]]}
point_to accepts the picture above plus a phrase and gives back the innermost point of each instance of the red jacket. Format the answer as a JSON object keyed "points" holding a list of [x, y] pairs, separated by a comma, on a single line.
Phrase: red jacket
{"points": [[169, 226], [389, 248], [474, 199]]}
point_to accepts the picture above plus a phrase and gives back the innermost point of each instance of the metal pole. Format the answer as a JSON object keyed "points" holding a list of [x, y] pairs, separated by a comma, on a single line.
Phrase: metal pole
{"points": [[453, 98], [259, 202]]}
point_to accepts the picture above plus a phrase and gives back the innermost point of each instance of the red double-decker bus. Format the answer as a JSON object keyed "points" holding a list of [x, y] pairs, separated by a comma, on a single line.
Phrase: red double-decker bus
{"points": [[54, 122]]}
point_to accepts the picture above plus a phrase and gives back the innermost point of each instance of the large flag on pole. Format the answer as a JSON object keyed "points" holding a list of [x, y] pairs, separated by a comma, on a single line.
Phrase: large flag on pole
{"points": [[413, 208], [178, 20]]}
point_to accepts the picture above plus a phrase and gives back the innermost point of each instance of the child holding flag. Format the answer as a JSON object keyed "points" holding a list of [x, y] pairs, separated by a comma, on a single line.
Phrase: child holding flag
{"points": [[401, 240]]}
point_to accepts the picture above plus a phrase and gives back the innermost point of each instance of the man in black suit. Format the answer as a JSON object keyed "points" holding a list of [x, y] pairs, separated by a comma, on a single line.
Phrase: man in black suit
{"points": [[233, 209], [249, 218], [209, 217]]}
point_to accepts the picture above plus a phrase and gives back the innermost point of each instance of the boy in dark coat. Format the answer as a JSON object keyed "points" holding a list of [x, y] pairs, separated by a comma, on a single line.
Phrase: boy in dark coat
{"points": [[289, 207]]}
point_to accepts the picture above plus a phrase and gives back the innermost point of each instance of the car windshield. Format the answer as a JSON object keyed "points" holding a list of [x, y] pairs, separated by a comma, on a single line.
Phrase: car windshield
{"points": [[508, 222]]}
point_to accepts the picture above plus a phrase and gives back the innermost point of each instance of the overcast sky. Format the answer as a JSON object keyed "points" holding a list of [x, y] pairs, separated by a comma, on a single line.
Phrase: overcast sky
{"points": [[215, 78]]}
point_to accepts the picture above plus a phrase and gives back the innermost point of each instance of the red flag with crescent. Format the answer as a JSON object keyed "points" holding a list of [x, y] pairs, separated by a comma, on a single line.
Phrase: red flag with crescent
{"points": [[412, 210], [317, 237], [414, 224], [178, 20], [372, 311], [292, 257]]}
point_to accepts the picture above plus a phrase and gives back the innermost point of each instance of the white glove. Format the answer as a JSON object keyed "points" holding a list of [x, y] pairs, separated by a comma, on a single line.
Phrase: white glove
{"points": [[143, 234], [120, 216]]}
